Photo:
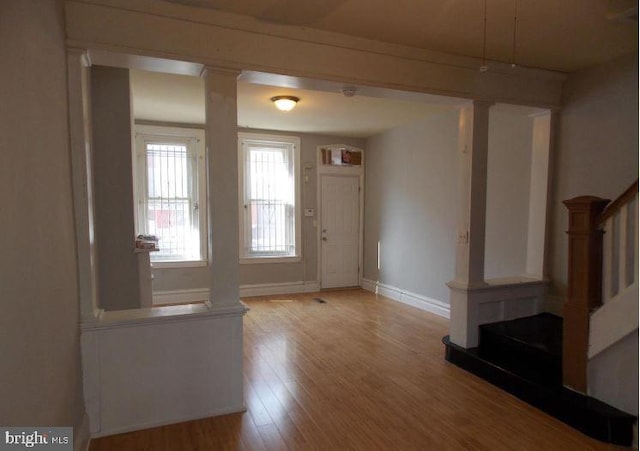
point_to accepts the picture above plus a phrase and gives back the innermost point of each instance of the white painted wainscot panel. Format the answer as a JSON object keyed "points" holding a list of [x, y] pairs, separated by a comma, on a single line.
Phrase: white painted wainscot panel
{"points": [[161, 365]]}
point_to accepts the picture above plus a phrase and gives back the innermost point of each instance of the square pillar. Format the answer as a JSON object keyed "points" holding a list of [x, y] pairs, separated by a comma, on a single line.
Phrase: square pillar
{"points": [[222, 188], [539, 189], [473, 146], [82, 177]]}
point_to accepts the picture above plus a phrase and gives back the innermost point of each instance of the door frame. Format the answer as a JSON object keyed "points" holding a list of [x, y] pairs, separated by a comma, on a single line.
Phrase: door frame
{"points": [[339, 171]]}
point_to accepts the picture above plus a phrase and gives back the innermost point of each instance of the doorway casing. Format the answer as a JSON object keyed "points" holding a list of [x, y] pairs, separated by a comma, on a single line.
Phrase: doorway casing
{"points": [[353, 171]]}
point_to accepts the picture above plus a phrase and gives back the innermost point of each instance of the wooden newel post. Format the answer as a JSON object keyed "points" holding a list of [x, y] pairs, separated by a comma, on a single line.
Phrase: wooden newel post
{"points": [[585, 286]]}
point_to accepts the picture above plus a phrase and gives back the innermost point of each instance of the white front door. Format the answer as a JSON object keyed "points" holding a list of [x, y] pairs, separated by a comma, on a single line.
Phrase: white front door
{"points": [[339, 230]]}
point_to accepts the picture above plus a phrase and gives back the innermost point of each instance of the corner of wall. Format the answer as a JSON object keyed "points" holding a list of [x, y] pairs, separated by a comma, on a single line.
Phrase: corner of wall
{"points": [[554, 304], [82, 434]]}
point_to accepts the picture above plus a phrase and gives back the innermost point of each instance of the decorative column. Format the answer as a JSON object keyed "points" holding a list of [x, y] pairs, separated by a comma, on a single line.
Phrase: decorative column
{"points": [[585, 286], [543, 125], [473, 145], [222, 188], [111, 131], [80, 142]]}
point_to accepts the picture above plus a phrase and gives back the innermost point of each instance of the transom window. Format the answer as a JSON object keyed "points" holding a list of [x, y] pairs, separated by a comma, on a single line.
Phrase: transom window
{"points": [[170, 185], [270, 217]]}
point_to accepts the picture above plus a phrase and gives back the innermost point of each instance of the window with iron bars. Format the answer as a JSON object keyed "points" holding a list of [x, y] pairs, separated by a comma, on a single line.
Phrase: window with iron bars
{"points": [[170, 192], [270, 209]]}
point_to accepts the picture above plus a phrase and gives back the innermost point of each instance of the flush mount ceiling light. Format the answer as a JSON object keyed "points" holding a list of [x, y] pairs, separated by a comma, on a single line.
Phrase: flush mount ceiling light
{"points": [[349, 91], [285, 103]]}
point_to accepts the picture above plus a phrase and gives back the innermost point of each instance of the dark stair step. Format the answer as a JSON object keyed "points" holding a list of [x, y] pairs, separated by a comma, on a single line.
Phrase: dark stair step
{"points": [[530, 347], [588, 415]]}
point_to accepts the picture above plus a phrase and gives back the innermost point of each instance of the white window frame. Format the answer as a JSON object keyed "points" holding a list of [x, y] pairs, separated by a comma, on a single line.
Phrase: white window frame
{"points": [[259, 138], [194, 139]]}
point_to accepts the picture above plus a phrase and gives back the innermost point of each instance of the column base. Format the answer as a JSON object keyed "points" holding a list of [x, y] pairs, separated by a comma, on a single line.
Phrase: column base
{"points": [[495, 300]]}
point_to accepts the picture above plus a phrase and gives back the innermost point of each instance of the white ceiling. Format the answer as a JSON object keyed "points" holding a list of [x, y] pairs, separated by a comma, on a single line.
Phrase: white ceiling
{"points": [[563, 35], [322, 108]]}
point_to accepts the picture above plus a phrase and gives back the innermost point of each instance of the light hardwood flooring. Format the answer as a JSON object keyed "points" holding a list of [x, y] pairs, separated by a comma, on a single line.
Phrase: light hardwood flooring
{"points": [[359, 372]]}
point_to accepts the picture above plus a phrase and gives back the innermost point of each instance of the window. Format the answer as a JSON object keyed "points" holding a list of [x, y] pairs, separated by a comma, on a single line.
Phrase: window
{"points": [[170, 192], [270, 207]]}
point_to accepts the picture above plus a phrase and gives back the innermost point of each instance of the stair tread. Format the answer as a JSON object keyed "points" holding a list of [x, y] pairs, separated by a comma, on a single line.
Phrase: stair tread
{"points": [[542, 332], [589, 415]]}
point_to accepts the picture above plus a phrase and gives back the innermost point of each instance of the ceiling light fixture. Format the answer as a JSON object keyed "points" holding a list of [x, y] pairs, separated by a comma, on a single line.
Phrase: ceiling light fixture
{"points": [[285, 103], [483, 66], [349, 91], [515, 33]]}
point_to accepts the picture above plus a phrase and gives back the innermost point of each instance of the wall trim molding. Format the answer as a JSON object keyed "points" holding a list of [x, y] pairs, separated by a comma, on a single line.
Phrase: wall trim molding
{"points": [[407, 297], [260, 289], [369, 285], [263, 289], [180, 419], [423, 71], [175, 296]]}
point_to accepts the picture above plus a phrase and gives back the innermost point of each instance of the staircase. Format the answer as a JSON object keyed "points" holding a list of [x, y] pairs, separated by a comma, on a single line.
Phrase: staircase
{"points": [[524, 358], [553, 363], [531, 347]]}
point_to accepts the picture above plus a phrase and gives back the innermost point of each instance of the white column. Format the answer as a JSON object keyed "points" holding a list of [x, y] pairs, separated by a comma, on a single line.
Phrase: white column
{"points": [[473, 146], [539, 194], [222, 188], [80, 143]]}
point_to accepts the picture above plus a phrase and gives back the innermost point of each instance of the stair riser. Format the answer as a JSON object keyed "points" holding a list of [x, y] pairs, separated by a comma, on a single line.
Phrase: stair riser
{"points": [[520, 358]]}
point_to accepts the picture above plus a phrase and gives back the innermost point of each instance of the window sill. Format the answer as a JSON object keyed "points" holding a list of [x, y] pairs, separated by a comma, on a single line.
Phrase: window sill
{"points": [[179, 264], [260, 260]]}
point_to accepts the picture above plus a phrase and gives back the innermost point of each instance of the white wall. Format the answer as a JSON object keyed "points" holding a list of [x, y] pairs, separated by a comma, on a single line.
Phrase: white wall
{"points": [[176, 279], [597, 154], [508, 179], [613, 375], [174, 364], [410, 196], [40, 380], [172, 279], [596, 150]]}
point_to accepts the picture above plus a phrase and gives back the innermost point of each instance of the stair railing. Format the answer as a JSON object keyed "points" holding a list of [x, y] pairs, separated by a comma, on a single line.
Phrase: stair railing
{"points": [[619, 221], [590, 282]]}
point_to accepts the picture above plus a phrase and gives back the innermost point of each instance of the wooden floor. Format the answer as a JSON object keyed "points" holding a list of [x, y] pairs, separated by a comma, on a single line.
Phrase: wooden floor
{"points": [[357, 372]]}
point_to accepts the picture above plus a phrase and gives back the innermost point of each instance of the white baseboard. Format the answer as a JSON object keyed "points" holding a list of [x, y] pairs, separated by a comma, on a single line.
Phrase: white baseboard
{"points": [[278, 288], [181, 419], [262, 289], [170, 297], [369, 285], [407, 297]]}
